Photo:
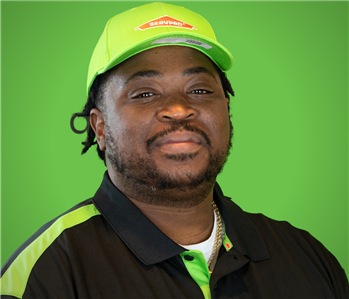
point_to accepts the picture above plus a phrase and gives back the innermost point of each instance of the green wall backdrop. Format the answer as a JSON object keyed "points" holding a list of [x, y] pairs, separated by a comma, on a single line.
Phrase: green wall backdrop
{"points": [[290, 112]]}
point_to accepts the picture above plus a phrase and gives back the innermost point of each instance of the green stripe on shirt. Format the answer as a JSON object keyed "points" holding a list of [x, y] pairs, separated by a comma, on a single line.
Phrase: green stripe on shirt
{"points": [[198, 268], [15, 279]]}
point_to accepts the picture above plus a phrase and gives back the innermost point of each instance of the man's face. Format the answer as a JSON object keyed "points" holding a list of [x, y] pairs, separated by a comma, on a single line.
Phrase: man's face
{"points": [[167, 124]]}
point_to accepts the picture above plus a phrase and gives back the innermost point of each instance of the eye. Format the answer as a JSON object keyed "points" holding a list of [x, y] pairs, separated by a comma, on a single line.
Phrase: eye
{"points": [[200, 91], [144, 95]]}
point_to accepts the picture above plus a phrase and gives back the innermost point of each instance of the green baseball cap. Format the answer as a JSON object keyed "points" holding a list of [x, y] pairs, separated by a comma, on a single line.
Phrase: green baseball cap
{"points": [[154, 25]]}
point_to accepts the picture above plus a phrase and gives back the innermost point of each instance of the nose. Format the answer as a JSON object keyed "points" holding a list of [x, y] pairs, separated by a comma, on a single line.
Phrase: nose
{"points": [[176, 109]]}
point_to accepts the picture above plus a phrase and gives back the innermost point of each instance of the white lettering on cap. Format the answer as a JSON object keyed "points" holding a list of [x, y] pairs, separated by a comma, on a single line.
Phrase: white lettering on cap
{"points": [[176, 40]]}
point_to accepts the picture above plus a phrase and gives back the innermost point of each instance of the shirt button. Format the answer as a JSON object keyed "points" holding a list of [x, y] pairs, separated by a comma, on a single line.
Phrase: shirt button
{"points": [[188, 257]]}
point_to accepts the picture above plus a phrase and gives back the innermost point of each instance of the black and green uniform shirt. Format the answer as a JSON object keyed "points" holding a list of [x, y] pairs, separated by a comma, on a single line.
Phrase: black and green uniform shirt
{"points": [[106, 248]]}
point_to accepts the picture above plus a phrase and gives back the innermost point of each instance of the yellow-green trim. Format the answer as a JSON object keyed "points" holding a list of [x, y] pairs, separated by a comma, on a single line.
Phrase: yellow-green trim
{"points": [[206, 291], [198, 270], [227, 243], [15, 279]]}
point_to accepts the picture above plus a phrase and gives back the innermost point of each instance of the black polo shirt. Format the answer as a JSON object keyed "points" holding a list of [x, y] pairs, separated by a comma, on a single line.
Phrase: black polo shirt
{"points": [[106, 248]]}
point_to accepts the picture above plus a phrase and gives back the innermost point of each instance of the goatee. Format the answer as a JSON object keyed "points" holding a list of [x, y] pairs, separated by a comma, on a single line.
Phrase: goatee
{"points": [[154, 186]]}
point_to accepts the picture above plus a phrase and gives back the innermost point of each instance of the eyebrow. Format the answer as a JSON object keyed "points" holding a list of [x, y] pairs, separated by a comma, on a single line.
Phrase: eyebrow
{"points": [[156, 74], [144, 74], [198, 70]]}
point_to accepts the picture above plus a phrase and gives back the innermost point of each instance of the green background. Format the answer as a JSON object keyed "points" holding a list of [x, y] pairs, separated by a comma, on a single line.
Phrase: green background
{"points": [[290, 112]]}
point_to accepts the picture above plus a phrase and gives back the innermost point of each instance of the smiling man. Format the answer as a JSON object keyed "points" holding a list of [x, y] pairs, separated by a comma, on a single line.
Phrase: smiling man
{"points": [[159, 226]]}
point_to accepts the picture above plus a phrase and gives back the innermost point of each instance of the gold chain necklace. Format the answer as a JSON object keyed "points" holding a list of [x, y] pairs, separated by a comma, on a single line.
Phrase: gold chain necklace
{"points": [[218, 238]]}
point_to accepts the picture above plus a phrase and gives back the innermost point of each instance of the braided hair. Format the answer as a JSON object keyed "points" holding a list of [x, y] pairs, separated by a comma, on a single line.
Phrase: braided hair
{"points": [[95, 100]]}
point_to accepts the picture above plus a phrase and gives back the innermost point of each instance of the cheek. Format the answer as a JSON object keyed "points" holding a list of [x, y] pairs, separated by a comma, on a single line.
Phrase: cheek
{"points": [[129, 131], [224, 130], [219, 124]]}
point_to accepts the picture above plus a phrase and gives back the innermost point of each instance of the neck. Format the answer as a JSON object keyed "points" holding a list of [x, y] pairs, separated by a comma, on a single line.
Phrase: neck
{"points": [[184, 214], [185, 226]]}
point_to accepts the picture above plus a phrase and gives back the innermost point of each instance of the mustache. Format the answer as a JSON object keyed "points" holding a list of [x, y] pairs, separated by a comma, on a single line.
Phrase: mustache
{"points": [[174, 127]]}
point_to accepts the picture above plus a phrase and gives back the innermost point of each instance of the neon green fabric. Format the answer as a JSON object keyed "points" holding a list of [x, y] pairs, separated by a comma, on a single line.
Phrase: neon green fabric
{"points": [[154, 25], [227, 243], [198, 269], [14, 281]]}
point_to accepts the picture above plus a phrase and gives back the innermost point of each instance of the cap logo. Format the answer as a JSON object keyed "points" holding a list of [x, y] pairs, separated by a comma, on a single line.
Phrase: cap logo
{"points": [[165, 21]]}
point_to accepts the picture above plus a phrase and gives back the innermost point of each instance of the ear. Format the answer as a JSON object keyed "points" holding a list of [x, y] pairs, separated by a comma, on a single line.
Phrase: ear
{"points": [[97, 124], [228, 102]]}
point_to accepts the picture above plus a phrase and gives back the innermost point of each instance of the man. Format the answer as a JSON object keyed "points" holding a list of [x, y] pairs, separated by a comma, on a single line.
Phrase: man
{"points": [[159, 226]]}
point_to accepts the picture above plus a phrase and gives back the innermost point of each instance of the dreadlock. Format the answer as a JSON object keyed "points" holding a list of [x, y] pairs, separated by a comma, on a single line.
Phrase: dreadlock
{"points": [[95, 100]]}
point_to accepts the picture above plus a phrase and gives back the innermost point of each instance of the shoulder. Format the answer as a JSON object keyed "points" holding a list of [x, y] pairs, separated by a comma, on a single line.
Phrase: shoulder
{"points": [[17, 269], [292, 251], [272, 231], [276, 231], [283, 235], [298, 246]]}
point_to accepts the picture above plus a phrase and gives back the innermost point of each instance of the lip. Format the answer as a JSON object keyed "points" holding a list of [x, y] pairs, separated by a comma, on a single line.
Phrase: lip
{"points": [[180, 142]]}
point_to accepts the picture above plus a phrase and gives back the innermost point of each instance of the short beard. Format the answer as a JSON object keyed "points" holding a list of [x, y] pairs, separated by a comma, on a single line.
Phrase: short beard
{"points": [[148, 184]]}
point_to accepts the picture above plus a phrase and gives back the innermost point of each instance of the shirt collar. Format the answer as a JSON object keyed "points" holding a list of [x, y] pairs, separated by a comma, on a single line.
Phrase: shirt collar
{"points": [[151, 245], [240, 229]]}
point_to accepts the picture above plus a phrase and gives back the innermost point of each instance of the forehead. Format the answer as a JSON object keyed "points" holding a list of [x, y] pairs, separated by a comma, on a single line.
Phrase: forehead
{"points": [[167, 60]]}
